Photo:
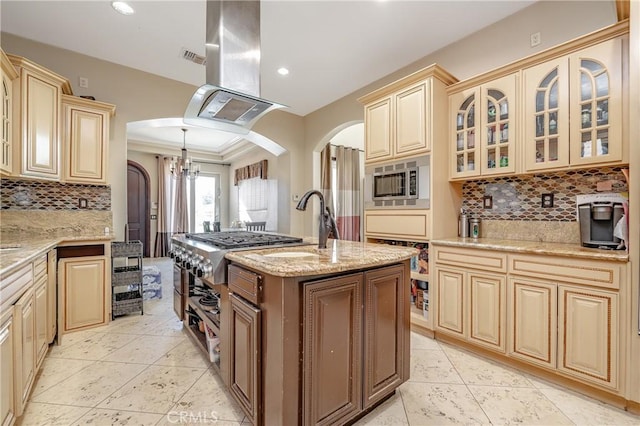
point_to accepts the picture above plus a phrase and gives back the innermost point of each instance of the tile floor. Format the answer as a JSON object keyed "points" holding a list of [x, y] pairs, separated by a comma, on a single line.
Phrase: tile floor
{"points": [[144, 370]]}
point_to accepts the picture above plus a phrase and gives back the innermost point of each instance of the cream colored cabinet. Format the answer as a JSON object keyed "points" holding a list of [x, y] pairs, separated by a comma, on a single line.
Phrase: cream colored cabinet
{"points": [[85, 139], [82, 293], [8, 74], [450, 305], [37, 104], [7, 406], [484, 128], [398, 117], [42, 344], [533, 319], [398, 224], [573, 109], [25, 349], [52, 289], [588, 330]]}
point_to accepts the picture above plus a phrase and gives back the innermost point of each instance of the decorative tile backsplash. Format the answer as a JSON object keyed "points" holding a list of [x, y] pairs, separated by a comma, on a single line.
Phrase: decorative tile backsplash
{"points": [[519, 197], [21, 194]]}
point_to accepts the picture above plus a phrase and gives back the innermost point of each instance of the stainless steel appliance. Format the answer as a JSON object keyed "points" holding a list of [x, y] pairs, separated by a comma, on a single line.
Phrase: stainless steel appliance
{"points": [[598, 216], [399, 184]]}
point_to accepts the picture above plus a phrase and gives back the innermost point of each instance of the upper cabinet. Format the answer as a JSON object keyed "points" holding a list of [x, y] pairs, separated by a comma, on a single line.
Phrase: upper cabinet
{"points": [[8, 74], [85, 139], [484, 129], [37, 104], [573, 109], [398, 116]]}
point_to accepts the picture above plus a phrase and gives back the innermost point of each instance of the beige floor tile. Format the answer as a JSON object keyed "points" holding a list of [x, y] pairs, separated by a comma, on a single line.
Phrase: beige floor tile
{"points": [[145, 349], [41, 414], [440, 404], [586, 411], [102, 417], [78, 336], [156, 390], [55, 370], [432, 366], [167, 327], [391, 413], [93, 347], [136, 324], [178, 418], [419, 341], [92, 385], [209, 397], [478, 371], [522, 406], [187, 355]]}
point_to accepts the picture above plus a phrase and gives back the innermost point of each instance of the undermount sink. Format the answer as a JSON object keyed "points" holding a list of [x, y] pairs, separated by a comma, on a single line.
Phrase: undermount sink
{"points": [[290, 254]]}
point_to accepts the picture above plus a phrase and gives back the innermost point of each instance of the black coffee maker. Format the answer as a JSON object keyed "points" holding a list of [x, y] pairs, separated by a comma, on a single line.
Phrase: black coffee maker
{"points": [[598, 219]]}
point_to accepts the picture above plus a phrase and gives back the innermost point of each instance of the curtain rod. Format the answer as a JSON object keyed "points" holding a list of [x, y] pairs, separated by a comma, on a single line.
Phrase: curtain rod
{"points": [[361, 150]]}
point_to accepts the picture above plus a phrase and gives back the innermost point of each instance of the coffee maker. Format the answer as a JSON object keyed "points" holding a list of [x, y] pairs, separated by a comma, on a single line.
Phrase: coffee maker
{"points": [[598, 219]]}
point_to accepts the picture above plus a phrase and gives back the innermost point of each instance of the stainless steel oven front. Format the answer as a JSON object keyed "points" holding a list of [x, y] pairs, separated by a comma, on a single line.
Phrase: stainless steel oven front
{"points": [[399, 184]]}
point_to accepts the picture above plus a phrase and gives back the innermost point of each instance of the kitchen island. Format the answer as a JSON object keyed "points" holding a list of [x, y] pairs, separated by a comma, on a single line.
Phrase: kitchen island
{"points": [[315, 336]]}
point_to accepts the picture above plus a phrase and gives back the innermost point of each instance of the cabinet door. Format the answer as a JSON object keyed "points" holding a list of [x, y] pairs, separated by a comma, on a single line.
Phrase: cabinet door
{"points": [[464, 116], [588, 334], [42, 344], [533, 318], [52, 289], [85, 138], [498, 124], [7, 408], [246, 356], [25, 349], [546, 115], [450, 303], [596, 103], [384, 337], [332, 350], [377, 131], [487, 311], [83, 293], [411, 120], [40, 126], [6, 163]]}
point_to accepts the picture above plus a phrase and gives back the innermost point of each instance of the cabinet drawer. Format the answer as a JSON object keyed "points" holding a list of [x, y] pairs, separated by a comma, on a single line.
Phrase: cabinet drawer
{"points": [[589, 272], [39, 267], [471, 258], [411, 224], [14, 285], [246, 284]]}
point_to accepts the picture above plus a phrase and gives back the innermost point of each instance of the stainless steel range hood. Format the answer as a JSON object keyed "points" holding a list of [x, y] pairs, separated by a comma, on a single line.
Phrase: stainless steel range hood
{"points": [[230, 101]]}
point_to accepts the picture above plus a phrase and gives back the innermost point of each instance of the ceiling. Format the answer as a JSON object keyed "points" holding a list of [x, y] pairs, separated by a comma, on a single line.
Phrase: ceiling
{"points": [[332, 48]]}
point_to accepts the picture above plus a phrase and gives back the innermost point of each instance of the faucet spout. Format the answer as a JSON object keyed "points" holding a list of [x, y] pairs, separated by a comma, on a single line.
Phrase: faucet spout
{"points": [[327, 224]]}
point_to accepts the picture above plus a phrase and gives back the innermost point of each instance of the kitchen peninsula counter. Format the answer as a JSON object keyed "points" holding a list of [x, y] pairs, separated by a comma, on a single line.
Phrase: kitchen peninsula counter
{"points": [[315, 336]]}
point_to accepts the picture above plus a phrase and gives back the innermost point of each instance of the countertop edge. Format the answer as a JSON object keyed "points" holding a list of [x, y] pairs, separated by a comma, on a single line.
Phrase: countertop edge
{"points": [[535, 247]]}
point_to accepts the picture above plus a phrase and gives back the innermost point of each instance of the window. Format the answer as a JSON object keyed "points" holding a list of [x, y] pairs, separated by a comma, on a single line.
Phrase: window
{"points": [[203, 198], [258, 201]]}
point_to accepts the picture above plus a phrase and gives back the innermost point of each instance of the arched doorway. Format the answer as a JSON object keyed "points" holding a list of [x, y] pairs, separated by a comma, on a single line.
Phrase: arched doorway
{"points": [[138, 208]]}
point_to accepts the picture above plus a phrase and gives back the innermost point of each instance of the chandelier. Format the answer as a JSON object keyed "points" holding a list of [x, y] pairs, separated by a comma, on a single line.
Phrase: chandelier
{"points": [[184, 166]]}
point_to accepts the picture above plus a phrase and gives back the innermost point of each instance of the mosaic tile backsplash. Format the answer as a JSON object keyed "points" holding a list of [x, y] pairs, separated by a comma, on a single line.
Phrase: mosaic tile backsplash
{"points": [[519, 197], [19, 194]]}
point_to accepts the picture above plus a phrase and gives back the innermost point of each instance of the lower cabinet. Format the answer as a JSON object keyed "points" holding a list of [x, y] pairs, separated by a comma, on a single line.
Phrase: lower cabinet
{"points": [[42, 343], [7, 408], [25, 349], [82, 293], [245, 356], [52, 289]]}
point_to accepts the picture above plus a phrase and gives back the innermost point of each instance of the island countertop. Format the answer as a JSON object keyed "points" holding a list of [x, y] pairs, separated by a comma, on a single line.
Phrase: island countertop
{"points": [[306, 260]]}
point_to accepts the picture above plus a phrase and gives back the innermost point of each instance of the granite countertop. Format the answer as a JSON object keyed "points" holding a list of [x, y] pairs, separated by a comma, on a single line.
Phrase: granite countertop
{"points": [[536, 247], [16, 252], [339, 256]]}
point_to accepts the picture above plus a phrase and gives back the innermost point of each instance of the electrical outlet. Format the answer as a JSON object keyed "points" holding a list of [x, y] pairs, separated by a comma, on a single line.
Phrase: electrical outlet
{"points": [[487, 202], [83, 82], [82, 203], [547, 200], [535, 39]]}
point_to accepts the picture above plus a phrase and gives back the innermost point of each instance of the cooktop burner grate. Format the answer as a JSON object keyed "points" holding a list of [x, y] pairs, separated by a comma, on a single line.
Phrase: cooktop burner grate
{"points": [[242, 239]]}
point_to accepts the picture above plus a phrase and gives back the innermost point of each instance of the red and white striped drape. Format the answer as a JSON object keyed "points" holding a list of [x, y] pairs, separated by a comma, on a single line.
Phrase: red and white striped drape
{"points": [[347, 183]]}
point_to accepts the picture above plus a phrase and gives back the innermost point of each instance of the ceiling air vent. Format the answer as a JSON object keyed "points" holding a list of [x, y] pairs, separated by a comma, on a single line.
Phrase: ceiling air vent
{"points": [[193, 57]]}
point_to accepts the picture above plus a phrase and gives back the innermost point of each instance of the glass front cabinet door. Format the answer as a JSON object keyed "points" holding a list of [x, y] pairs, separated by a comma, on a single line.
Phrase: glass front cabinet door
{"points": [[484, 131], [573, 108]]}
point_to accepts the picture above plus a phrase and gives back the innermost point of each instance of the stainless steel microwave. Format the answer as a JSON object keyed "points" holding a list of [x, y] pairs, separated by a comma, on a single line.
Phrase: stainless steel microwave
{"points": [[401, 184]]}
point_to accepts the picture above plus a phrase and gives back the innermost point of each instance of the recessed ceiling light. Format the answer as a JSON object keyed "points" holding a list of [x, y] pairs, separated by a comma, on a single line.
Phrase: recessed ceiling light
{"points": [[283, 71], [122, 7]]}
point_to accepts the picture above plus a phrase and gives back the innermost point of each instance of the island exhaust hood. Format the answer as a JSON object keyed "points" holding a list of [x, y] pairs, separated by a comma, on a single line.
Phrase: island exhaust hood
{"points": [[230, 101]]}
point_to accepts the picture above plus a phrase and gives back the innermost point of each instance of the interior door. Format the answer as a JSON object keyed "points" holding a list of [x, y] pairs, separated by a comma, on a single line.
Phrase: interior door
{"points": [[138, 204]]}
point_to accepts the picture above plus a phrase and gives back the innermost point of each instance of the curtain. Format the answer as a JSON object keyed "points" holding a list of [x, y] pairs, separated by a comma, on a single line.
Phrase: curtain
{"points": [[325, 178], [348, 193], [181, 215], [258, 169], [163, 234]]}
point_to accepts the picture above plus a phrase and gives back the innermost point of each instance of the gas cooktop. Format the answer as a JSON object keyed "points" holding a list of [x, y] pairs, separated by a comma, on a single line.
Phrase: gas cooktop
{"points": [[242, 239]]}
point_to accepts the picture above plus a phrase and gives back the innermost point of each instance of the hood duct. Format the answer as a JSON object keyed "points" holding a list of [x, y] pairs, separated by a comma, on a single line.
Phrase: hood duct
{"points": [[230, 101]]}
